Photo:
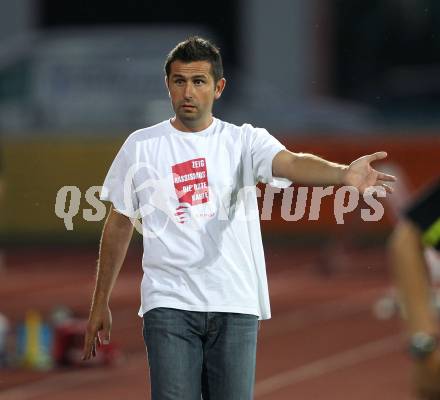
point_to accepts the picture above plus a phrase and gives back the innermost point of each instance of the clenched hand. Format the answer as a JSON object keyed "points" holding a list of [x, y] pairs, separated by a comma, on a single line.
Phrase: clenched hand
{"points": [[98, 330]]}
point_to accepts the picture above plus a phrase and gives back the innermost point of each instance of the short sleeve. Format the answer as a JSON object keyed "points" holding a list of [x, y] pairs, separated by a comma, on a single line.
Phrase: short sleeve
{"points": [[118, 186], [264, 147]]}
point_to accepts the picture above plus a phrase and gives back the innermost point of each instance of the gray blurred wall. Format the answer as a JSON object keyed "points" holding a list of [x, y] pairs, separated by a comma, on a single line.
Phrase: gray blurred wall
{"points": [[16, 17]]}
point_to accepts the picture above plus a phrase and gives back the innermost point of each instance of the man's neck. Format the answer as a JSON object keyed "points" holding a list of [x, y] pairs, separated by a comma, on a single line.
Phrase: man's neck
{"points": [[191, 126]]}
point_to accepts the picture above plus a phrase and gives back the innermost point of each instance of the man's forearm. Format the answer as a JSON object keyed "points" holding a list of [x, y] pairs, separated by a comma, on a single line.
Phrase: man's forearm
{"points": [[410, 270], [310, 169], [115, 239]]}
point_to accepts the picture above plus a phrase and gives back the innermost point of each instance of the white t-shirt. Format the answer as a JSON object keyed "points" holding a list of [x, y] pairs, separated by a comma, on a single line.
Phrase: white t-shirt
{"points": [[195, 193]]}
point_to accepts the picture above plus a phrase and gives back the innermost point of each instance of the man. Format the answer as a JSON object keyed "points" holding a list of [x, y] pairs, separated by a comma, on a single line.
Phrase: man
{"points": [[192, 181], [417, 230], [2, 199]]}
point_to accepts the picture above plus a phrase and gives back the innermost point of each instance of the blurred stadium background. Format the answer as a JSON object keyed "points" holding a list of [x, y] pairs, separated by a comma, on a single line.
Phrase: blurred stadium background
{"points": [[334, 77]]}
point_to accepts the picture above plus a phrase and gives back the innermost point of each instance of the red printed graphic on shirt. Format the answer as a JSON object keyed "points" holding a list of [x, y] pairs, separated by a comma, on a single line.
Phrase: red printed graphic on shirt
{"points": [[191, 181]]}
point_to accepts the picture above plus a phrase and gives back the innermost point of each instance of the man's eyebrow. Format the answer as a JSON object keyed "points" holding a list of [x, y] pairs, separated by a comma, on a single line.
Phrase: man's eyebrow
{"points": [[173, 76]]}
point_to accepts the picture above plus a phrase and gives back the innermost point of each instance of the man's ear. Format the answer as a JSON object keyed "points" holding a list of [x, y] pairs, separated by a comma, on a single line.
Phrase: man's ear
{"points": [[166, 84], [219, 87]]}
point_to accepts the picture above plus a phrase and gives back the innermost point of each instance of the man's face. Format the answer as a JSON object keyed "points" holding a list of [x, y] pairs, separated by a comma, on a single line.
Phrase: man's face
{"points": [[193, 91]]}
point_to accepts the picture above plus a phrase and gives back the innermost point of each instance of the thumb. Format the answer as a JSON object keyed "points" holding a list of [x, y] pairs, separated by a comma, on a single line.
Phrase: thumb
{"points": [[106, 334], [377, 156]]}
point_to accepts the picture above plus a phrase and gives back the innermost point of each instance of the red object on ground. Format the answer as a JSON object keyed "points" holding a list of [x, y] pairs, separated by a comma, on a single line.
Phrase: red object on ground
{"points": [[69, 343]]}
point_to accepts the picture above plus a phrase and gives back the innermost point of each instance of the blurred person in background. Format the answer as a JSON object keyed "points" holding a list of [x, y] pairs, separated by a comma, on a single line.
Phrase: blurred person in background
{"points": [[204, 287], [2, 194], [418, 229]]}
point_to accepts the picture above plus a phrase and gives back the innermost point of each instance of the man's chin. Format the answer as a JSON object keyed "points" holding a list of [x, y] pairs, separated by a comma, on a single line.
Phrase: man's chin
{"points": [[188, 116]]}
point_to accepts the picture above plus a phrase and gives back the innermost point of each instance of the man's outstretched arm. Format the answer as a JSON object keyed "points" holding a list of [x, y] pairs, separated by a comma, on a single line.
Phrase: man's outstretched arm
{"points": [[312, 170], [116, 236]]}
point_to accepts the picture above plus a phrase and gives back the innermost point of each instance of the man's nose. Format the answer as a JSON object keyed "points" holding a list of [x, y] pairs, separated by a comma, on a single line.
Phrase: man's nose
{"points": [[188, 91]]}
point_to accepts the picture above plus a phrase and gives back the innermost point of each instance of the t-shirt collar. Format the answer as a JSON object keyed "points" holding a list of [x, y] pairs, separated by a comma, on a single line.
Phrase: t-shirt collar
{"points": [[204, 132]]}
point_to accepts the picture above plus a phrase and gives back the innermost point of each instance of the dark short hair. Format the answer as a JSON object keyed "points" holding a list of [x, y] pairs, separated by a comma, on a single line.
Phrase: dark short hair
{"points": [[196, 48]]}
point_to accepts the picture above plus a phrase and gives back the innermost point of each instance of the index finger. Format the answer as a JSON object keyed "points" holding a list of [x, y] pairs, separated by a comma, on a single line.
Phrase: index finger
{"points": [[386, 177], [89, 342]]}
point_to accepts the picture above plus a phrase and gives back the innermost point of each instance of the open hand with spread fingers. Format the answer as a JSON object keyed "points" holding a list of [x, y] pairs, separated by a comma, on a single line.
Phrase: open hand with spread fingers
{"points": [[362, 175]]}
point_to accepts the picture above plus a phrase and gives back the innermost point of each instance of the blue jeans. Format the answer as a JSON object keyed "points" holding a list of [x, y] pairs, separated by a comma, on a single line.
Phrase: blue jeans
{"points": [[193, 354]]}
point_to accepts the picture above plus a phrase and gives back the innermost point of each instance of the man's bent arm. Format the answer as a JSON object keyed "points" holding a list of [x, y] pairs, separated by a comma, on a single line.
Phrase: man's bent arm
{"points": [[412, 278], [116, 235]]}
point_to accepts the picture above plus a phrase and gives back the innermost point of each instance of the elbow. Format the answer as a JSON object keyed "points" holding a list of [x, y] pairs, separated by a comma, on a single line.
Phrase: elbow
{"points": [[283, 165]]}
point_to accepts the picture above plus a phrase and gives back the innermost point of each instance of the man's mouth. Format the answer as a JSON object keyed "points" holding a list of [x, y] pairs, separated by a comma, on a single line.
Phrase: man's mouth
{"points": [[188, 106]]}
